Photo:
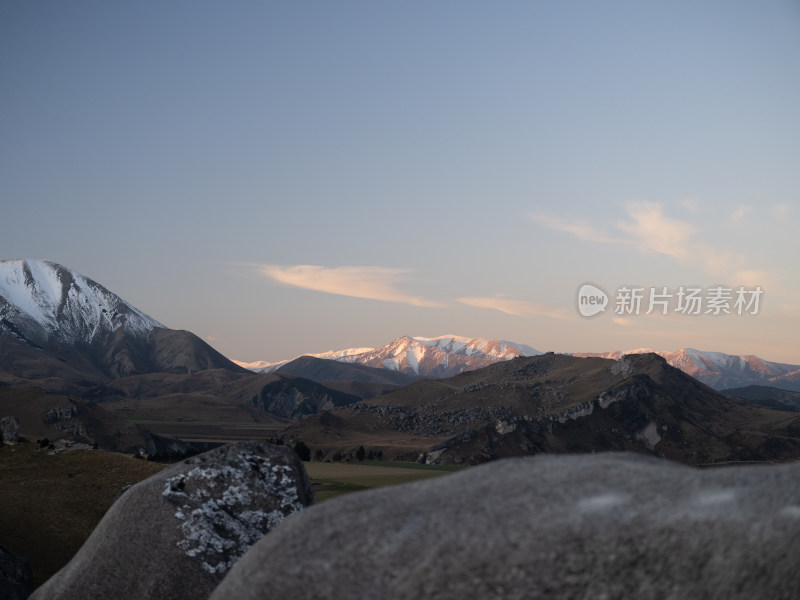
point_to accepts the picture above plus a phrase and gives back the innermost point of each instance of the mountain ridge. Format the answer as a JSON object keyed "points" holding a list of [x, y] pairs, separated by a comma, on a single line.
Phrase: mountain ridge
{"points": [[53, 320], [440, 356], [716, 369], [720, 370], [556, 403]]}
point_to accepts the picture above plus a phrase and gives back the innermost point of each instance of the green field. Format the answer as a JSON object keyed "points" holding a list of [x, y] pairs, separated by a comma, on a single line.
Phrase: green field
{"points": [[335, 478]]}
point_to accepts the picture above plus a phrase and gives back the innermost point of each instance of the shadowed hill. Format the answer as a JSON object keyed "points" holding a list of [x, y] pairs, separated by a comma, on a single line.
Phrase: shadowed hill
{"points": [[558, 403], [351, 378], [763, 395]]}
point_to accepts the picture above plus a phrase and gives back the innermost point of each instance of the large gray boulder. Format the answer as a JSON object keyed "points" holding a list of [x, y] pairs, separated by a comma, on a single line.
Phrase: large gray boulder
{"points": [[590, 526], [16, 577], [176, 534]]}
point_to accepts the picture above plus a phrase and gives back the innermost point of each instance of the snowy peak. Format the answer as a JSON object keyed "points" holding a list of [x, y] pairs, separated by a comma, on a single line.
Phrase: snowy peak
{"points": [[441, 356], [262, 366], [453, 344], [702, 362], [59, 326], [44, 301], [720, 370]]}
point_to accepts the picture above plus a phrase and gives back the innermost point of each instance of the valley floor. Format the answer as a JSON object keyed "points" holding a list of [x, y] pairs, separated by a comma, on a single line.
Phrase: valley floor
{"points": [[332, 479]]}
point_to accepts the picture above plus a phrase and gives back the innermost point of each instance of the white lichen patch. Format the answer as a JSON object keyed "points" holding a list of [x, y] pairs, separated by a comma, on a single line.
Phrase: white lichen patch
{"points": [[649, 435], [223, 510]]}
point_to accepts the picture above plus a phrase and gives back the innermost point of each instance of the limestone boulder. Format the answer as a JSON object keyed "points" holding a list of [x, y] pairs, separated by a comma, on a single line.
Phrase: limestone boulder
{"points": [[567, 526], [176, 534]]}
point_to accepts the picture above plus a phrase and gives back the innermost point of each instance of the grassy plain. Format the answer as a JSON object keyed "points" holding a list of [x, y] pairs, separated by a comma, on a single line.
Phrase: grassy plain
{"points": [[332, 479]]}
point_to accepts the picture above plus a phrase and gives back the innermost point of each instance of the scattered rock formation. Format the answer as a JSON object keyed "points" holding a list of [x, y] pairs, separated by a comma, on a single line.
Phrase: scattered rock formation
{"points": [[572, 526], [176, 534]]}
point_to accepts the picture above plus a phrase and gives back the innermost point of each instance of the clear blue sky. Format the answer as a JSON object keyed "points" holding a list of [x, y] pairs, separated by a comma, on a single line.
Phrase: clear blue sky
{"points": [[454, 167]]}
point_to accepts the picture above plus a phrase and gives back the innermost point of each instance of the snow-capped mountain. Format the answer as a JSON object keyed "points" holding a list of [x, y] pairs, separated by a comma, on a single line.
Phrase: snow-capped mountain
{"points": [[57, 324], [722, 371], [441, 356], [262, 366], [45, 301]]}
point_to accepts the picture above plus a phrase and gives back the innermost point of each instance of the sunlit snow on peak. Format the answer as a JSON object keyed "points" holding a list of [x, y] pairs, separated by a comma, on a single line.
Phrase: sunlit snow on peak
{"points": [[64, 303]]}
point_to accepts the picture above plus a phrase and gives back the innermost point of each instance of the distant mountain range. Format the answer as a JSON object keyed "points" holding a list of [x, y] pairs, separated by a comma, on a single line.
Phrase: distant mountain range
{"points": [[79, 362], [721, 371], [449, 355], [441, 356]]}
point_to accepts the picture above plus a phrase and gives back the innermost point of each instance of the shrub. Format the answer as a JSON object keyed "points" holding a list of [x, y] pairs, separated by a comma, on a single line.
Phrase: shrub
{"points": [[303, 451]]}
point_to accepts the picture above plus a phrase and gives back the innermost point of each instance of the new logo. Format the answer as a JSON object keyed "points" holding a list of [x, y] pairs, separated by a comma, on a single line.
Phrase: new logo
{"points": [[591, 300]]}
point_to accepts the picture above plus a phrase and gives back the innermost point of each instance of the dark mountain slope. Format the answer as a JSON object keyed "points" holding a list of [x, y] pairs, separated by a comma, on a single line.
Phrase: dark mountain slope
{"points": [[763, 395], [57, 325], [350, 378], [320, 369], [558, 403]]}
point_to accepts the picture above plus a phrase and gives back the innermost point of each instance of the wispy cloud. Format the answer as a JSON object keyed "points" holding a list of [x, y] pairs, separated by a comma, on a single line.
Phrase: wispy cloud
{"points": [[579, 229], [654, 232], [646, 226], [739, 214], [373, 283], [517, 308]]}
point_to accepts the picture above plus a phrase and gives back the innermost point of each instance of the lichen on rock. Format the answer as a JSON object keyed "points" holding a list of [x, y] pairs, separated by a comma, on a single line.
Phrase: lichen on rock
{"points": [[218, 511]]}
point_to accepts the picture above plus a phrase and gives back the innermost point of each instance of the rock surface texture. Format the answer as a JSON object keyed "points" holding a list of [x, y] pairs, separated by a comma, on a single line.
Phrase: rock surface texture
{"points": [[571, 526], [176, 534], [16, 577]]}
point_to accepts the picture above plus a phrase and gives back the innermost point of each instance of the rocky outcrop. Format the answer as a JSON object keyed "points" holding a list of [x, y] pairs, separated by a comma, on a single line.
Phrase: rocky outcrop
{"points": [[587, 526], [530, 433], [431, 421], [176, 534], [296, 397], [9, 429], [65, 420], [16, 577]]}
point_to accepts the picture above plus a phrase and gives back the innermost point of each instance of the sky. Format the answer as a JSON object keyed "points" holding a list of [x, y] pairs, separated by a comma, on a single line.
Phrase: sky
{"points": [[293, 177]]}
